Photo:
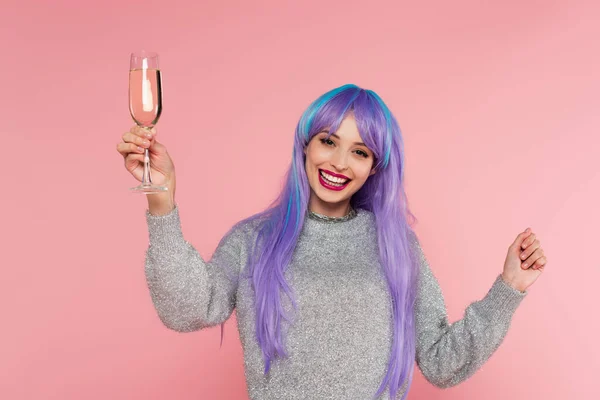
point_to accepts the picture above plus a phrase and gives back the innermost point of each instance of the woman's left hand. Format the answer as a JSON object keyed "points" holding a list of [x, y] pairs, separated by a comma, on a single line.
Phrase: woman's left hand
{"points": [[525, 261]]}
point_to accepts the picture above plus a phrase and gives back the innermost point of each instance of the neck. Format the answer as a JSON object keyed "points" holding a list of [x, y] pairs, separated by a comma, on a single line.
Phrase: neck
{"points": [[340, 209]]}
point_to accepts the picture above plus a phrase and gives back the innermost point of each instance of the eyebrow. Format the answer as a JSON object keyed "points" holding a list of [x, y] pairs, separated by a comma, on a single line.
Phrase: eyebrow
{"points": [[336, 136]]}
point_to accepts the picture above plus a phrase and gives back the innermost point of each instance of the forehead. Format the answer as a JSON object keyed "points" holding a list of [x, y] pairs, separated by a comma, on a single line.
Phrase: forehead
{"points": [[347, 130]]}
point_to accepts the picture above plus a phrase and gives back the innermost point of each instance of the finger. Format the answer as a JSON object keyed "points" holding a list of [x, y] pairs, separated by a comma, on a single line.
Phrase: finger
{"points": [[528, 240], [139, 132], [520, 237], [530, 249], [533, 258], [137, 140], [144, 129], [148, 132], [128, 148], [132, 161], [540, 263]]}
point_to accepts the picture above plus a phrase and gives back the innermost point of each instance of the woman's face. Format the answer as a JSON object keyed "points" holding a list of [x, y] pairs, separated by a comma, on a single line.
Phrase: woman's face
{"points": [[337, 167]]}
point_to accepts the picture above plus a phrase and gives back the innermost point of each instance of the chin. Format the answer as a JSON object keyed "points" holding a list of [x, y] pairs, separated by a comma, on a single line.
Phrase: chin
{"points": [[330, 196]]}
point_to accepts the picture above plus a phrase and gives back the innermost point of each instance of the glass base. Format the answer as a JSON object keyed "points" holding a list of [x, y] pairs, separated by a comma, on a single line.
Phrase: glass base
{"points": [[149, 189]]}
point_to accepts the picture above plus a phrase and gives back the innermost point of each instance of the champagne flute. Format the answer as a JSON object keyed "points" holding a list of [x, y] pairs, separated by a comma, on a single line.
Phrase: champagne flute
{"points": [[145, 106]]}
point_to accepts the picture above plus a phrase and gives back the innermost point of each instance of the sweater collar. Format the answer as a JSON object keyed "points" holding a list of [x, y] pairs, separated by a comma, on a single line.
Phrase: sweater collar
{"points": [[355, 226]]}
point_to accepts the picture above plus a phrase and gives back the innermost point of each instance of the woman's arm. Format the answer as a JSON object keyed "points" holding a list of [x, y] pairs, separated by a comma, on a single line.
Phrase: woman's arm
{"points": [[188, 293], [447, 354]]}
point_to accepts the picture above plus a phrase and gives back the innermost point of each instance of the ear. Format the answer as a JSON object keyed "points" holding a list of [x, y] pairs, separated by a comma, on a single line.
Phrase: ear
{"points": [[304, 151], [373, 170]]}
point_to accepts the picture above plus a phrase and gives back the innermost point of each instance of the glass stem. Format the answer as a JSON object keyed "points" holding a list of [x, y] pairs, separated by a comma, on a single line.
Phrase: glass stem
{"points": [[146, 179]]}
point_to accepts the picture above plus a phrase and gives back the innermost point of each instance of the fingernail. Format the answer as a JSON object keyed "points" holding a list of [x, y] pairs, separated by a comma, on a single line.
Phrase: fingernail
{"points": [[525, 265], [148, 135]]}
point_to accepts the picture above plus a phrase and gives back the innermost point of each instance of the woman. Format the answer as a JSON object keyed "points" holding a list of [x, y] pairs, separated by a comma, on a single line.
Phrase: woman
{"points": [[334, 296]]}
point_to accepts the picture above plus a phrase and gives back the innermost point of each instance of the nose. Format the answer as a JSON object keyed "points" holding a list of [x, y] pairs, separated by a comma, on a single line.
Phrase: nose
{"points": [[339, 161]]}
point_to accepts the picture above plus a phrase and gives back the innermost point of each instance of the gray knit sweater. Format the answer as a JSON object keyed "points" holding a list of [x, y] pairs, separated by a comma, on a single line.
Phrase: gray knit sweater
{"points": [[340, 341]]}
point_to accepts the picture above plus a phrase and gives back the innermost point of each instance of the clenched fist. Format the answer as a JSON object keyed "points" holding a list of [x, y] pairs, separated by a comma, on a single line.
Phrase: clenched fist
{"points": [[525, 261]]}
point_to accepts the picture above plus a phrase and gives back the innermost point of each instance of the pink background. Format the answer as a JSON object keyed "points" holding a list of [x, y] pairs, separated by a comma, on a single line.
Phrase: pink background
{"points": [[499, 108]]}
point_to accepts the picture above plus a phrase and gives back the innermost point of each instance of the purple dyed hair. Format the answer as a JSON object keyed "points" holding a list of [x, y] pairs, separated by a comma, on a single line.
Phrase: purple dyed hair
{"points": [[383, 194]]}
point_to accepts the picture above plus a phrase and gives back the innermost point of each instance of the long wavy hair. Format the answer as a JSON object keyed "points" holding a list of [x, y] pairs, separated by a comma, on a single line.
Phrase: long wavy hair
{"points": [[383, 194]]}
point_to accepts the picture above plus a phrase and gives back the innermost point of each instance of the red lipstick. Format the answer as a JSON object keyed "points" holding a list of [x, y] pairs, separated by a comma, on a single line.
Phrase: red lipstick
{"points": [[334, 174], [329, 186]]}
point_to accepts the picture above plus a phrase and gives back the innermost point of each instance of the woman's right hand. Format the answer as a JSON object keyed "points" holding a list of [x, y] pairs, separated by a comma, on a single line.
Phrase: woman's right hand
{"points": [[132, 148], [162, 170]]}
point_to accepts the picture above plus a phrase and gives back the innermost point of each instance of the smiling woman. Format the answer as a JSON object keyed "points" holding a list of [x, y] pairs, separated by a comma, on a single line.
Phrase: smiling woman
{"points": [[334, 295], [342, 152]]}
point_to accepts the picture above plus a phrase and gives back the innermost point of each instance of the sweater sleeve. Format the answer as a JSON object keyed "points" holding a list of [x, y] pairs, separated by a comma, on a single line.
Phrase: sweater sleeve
{"points": [[188, 293], [449, 353]]}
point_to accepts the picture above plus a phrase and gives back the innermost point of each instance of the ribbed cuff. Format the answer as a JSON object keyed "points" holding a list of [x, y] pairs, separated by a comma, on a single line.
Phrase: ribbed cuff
{"points": [[164, 229], [501, 300]]}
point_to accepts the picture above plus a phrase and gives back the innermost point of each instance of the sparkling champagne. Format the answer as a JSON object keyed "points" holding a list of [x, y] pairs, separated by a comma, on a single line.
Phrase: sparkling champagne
{"points": [[145, 96]]}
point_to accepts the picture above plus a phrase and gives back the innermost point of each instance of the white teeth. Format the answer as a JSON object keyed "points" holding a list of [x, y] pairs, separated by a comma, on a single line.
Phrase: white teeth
{"points": [[333, 179]]}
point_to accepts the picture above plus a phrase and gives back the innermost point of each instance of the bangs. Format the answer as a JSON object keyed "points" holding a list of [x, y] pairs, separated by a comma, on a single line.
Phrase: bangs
{"points": [[371, 118]]}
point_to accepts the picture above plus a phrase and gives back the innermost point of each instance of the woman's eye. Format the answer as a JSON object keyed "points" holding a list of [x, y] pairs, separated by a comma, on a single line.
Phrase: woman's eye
{"points": [[330, 142]]}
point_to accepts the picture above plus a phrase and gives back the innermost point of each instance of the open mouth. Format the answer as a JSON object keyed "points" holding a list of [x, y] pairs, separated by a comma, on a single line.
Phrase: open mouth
{"points": [[331, 182]]}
